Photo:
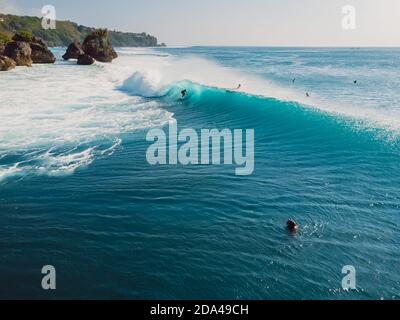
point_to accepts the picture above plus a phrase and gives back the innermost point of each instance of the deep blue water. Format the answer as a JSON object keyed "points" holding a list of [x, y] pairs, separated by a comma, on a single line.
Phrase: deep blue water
{"points": [[121, 228]]}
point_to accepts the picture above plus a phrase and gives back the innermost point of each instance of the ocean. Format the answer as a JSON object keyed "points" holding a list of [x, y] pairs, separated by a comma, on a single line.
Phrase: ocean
{"points": [[77, 192]]}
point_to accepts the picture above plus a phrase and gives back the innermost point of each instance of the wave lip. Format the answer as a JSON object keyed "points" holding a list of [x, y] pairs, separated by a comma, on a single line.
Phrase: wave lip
{"points": [[143, 85]]}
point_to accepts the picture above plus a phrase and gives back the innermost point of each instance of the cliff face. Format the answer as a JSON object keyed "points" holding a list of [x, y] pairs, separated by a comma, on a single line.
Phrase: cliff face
{"points": [[68, 32]]}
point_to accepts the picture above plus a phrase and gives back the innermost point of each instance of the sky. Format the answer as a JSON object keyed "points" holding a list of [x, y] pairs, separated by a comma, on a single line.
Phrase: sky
{"points": [[233, 22]]}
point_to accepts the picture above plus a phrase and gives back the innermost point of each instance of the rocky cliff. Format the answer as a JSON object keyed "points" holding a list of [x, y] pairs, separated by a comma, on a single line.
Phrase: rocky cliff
{"points": [[67, 32]]}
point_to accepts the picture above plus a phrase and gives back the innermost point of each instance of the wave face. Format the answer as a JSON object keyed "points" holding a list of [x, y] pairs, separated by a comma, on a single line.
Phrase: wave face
{"points": [[74, 180]]}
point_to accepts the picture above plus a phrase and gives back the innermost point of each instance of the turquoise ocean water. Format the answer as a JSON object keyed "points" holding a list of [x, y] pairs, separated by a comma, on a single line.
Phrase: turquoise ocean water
{"points": [[76, 191]]}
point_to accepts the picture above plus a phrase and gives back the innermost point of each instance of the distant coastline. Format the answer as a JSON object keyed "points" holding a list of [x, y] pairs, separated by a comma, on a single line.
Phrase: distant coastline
{"points": [[68, 31]]}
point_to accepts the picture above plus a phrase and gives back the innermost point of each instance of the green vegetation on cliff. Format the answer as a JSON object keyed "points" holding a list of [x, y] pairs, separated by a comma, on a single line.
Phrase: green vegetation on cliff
{"points": [[67, 32], [4, 38]]}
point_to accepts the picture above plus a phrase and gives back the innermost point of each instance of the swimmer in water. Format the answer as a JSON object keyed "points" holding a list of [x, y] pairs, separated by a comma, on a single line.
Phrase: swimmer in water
{"points": [[292, 226]]}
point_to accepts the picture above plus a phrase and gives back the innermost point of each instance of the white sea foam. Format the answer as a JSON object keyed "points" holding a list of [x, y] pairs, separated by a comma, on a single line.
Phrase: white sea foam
{"points": [[57, 118]]}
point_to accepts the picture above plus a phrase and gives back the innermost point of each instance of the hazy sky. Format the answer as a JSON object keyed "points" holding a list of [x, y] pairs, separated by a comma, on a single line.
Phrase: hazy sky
{"points": [[233, 22]]}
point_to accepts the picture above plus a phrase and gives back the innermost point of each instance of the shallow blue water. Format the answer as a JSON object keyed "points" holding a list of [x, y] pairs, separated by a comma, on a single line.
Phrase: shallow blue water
{"points": [[121, 228]]}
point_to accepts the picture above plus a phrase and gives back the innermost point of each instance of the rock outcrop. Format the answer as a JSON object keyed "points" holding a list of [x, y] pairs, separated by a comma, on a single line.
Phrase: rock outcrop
{"points": [[20, 52], [40, 50], [85, 60], [74, 50], [6, 63], [41, 53], [98, 46], [39, 41], [2, 47]]}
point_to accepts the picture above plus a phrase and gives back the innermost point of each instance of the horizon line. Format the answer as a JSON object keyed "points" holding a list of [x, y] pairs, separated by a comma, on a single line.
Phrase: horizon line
{"points": [[286, 46]]}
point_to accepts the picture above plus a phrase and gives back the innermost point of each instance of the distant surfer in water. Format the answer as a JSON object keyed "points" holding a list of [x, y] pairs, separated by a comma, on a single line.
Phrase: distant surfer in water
{"points": [[307, 95], [355, 81], [184, 93], [235, 89], [293, 80]]}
